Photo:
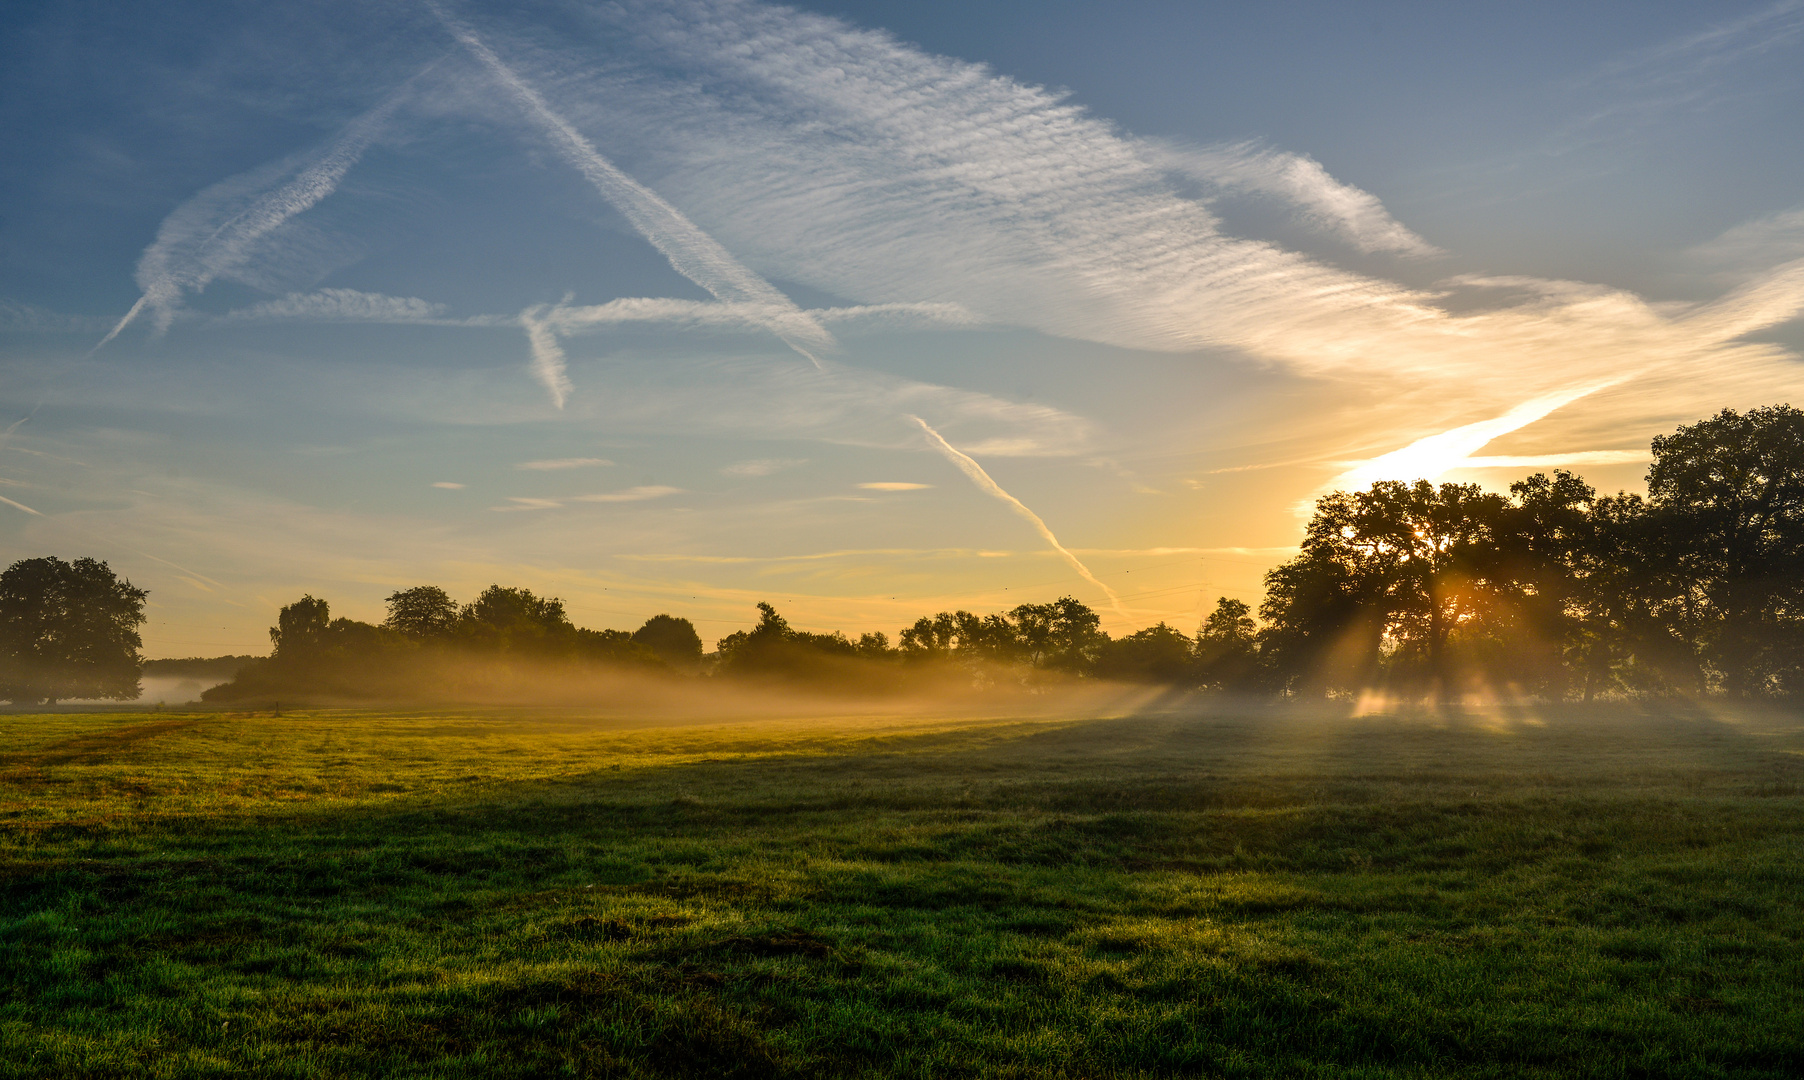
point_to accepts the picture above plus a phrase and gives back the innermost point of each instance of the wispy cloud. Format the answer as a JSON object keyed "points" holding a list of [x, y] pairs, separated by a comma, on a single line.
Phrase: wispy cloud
{"points": [[525, 502], [893, 485], [20, 506], [635, 494], [1769, 299], [1555, 461], [1686, 73], [813, 556], [1320, 200], [351, 305], [564, 463], [448, 485], [650, 388], [547, 324], [1754, 246], [847, 161], [761, 466], [931, 192], [17, 317]]}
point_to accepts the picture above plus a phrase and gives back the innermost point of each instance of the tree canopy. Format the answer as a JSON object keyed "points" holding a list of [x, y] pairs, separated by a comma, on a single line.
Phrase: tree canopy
{"points": [[1557, 590], [68, 630], [1730, 495], [674, 641], [423, 612]]}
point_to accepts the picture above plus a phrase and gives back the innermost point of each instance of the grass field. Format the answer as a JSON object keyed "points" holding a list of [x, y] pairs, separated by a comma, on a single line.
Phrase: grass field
{"points": [[1200, 891]]}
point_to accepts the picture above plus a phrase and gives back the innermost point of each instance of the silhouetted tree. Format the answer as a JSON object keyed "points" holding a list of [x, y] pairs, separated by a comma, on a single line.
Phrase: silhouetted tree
{"points": [[1399, 577], [1637, 607], [929, 637], [302, 629], [774, 649], [994, 639], [674, 640], [316, 654], [68, 630], [989, 638], [424, 612], [514, 620], [755, 650], [1064, 635], [615, 647], [1226, 651], [1157, 654], [1729, 493], [1600, 584]]}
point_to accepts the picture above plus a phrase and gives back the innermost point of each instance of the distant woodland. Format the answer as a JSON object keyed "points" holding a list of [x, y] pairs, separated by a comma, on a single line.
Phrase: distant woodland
{"points": [[1414, 591]]}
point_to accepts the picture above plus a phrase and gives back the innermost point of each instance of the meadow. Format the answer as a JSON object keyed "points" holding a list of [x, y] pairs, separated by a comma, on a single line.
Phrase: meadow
{"points": [[1086, 889]]}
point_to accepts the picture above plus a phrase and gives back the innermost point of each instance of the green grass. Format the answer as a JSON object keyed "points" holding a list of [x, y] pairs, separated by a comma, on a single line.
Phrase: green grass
{"points": [[1612, 893]]}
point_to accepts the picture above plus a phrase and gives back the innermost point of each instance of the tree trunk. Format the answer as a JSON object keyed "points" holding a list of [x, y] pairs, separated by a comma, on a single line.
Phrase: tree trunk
{"points": [[1436, 634]]}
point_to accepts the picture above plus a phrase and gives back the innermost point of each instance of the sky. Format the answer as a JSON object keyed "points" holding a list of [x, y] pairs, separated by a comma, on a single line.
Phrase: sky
{"points": [[866, 309]]}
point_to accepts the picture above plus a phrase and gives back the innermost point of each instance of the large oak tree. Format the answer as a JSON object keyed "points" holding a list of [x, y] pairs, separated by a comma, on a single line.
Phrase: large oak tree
{"points": [[68, 630]]}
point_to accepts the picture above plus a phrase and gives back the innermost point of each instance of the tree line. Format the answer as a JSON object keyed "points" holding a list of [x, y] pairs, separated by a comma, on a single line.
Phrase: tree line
{"points": [[1415, 590], [428, 636]]}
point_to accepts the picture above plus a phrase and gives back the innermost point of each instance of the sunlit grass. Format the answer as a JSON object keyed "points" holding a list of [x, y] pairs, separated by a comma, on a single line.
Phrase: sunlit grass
{"points": [[1260, 893]]}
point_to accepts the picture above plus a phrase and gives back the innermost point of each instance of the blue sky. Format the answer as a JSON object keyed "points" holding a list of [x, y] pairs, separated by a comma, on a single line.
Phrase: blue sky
{"points": [[867, 309]]}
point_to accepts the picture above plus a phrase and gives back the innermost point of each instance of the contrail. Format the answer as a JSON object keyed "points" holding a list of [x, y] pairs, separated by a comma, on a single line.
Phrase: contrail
{"points": [[972, 469], [121, 324], [183, 569], [7, 435], [547, 355], [692, 252], [701, 259], [193, 247], [20, 505]]}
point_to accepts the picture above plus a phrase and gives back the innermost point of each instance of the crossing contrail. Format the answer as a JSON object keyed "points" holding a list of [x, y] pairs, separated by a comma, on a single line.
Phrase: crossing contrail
{"points": [[691, 251], [703, 260], [967, 465]]}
